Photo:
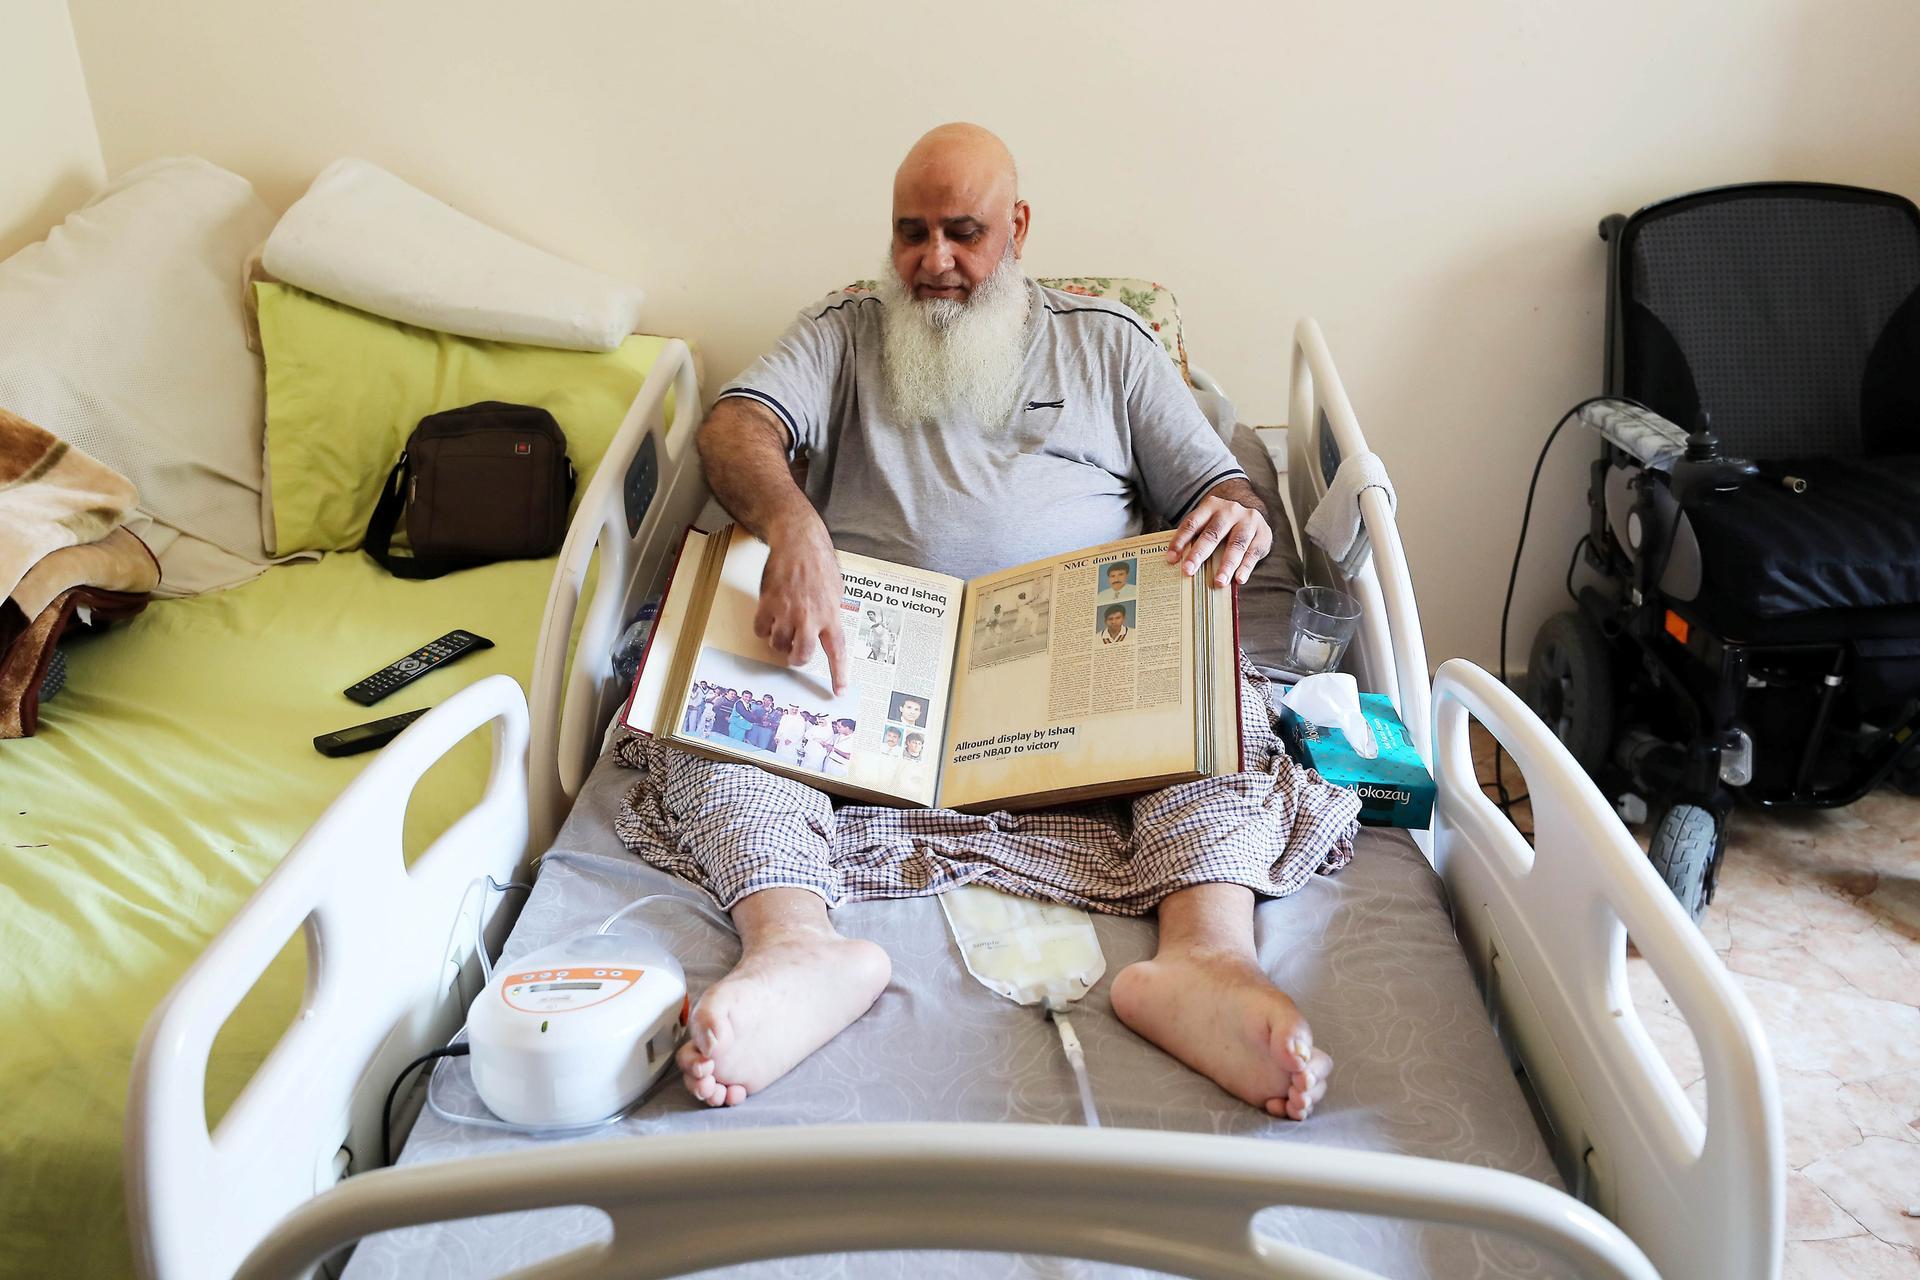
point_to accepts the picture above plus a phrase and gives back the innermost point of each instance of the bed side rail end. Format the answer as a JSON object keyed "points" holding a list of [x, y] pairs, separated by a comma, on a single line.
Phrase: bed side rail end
{"points": [[1546, 929], [385, 947], [646, 491]]}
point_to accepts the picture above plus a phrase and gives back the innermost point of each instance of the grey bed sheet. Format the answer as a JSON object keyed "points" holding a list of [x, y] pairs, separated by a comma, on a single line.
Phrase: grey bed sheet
{"points": [[1369, 954]]}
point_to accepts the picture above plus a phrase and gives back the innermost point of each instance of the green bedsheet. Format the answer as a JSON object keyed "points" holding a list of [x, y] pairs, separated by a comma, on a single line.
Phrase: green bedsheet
{"points": [[164, 784]]}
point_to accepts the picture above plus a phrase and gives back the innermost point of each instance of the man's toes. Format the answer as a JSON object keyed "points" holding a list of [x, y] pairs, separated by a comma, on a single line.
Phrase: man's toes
{"points": [[1292, 1107], [707, 1029], [1299, 1053], [1305, 1088], [691, 1061]]}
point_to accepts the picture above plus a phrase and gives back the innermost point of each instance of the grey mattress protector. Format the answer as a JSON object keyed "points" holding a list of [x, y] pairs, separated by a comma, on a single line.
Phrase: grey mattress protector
{"points": [[1369, 954]]}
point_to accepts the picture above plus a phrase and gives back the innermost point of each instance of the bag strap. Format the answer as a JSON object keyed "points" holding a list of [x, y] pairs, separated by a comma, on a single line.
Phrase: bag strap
{"points": [[386, 515]]}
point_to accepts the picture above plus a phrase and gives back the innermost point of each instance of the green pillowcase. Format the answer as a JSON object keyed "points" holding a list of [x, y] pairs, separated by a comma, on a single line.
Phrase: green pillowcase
{"points": [[345, 389]]}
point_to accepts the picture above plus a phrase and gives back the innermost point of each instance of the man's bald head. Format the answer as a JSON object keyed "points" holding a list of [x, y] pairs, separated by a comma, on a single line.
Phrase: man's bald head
{"points": [[956, 212], [963, 152]]}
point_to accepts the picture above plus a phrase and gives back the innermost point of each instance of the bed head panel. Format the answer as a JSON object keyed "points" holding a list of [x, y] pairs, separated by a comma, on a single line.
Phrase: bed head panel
{"points": [[621, 545], [1389, 653]]}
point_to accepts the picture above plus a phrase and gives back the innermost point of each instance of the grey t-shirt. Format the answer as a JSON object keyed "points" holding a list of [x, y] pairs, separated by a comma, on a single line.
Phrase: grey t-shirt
{"points": [[1106, 441]]}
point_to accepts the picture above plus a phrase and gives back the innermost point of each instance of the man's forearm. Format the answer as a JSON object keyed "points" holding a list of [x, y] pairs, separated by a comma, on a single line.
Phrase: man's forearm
{"points": [[1238, 490], [743, 449]]}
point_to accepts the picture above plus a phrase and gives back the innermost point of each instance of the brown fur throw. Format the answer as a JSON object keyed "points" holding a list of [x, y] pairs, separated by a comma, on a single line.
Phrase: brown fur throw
{"points": [[52, 495]]}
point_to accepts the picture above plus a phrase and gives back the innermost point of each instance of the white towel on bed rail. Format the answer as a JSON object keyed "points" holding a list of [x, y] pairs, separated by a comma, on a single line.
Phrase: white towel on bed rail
{"points": [[364, 237], [1335, 525]]}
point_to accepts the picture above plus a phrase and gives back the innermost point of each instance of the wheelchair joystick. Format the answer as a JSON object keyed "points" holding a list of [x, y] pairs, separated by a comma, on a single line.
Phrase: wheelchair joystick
{"points": [[1704, 469]]}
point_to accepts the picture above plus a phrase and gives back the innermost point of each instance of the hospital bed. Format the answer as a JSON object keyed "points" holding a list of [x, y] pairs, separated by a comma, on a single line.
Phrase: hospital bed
{"points": [[1429, 1124]]}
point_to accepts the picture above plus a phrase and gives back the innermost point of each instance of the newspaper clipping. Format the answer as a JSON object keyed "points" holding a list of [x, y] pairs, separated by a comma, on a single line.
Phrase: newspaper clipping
{"points": [[897, 628], [1117, 638]]}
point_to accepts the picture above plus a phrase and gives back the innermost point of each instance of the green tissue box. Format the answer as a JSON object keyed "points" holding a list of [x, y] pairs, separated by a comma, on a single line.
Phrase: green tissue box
{"points": [[1395, 788]]}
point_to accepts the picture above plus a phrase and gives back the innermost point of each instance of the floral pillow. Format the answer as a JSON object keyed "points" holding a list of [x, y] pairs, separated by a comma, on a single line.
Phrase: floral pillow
{"points": [[1154, 303]]}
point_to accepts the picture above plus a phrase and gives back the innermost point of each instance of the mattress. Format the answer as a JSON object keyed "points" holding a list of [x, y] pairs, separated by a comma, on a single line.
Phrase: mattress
{"points": [[1369, 954], [166, 781]]}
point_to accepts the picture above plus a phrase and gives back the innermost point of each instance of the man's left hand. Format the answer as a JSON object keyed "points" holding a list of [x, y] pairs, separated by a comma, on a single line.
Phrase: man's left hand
{"points": [[1238, 530]]}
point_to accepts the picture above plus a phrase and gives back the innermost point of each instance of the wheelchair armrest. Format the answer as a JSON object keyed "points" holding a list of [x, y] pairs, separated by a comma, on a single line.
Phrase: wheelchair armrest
{"points": [[1644, 435], [1693, 464]]}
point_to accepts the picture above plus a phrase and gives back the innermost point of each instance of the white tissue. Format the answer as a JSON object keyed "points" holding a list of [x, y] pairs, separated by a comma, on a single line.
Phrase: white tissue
{"points": [[1332, 701]]}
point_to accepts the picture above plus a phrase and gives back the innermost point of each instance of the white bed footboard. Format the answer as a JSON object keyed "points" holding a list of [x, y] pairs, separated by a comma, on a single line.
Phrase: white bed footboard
{"points": [[647, 490], [1175, 1202], [1546, 928], [385, 945]]}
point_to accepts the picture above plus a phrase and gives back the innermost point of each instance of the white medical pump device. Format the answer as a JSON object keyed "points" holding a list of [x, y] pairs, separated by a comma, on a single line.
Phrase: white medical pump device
{"points": [[575, 1033]]}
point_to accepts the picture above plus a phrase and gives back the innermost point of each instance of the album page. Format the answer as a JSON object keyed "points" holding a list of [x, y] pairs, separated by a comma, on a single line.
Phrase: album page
{"points": [[1078, 677]]}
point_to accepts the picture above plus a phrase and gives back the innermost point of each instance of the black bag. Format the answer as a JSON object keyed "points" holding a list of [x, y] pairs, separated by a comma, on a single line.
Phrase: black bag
{"points": [[487, 482]]}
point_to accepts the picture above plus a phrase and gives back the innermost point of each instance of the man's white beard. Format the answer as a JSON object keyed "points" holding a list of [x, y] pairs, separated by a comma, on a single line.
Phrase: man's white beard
{"points": [[948, 354]]}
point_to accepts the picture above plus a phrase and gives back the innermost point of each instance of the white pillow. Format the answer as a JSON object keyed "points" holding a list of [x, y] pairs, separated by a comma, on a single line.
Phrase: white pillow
{"points": [[364, 237], [121, 333]]}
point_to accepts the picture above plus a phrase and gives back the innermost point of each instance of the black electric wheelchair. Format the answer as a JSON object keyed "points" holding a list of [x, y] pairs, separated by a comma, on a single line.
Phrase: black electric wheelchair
{"points": [[1748, 594]]}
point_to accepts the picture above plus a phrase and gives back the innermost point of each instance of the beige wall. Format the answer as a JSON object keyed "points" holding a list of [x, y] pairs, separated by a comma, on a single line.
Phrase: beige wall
{"points": [[1425, 179], [49, 155]]}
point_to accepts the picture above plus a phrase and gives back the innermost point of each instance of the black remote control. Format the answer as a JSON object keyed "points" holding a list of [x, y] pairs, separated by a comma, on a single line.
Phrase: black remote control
{"points": [[370, 736], [398, 675]]}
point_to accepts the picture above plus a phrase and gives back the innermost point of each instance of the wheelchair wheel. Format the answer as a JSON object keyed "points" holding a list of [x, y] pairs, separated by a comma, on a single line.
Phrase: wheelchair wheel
{"points": [[1906, 774], [1570, 687], [1682, 852]]}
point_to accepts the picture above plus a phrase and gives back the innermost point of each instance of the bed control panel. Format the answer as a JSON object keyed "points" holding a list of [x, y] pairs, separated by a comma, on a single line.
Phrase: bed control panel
{"points": [[404, 671], [370, 736]]}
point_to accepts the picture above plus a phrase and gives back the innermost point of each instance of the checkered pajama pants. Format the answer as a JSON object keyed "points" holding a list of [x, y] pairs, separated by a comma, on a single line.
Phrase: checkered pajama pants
{"points": [[735, 829]]}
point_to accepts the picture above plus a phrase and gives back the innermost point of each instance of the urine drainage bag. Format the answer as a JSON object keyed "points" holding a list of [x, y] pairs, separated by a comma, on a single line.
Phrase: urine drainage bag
{"points": [[1027, 951]]}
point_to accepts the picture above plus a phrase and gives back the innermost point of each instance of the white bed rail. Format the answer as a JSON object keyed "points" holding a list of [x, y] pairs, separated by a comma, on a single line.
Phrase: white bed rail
{"points": [[1389, 653], [1546, 928], [384, 944], [1175, 1202], [647, 490]]}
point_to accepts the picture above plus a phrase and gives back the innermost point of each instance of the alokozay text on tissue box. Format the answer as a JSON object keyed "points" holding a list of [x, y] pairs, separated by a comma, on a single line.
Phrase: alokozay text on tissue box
{"points": [[1395, 789]]}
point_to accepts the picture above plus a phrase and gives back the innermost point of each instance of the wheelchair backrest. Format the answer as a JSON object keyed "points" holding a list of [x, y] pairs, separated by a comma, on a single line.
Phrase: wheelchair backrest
{"points": [[1789, 311]]}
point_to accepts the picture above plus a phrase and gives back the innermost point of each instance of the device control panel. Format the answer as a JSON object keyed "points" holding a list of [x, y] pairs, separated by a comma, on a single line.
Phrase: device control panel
{"points": [[565, 990]]}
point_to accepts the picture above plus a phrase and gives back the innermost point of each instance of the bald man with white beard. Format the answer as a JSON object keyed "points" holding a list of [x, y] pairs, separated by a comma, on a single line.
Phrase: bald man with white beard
{"points": [[964, 419]]}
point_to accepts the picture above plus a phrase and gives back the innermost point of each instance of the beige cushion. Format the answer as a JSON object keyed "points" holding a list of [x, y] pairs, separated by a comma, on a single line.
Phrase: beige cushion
{"points": [[122, 334]]}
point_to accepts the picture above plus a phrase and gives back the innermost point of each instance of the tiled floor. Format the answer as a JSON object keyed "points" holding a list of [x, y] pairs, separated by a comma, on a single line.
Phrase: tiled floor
{"points": [[1818, 917]]}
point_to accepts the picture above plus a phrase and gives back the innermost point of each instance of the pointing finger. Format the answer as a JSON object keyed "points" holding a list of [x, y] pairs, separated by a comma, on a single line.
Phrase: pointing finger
{"points": [[836, 645]]}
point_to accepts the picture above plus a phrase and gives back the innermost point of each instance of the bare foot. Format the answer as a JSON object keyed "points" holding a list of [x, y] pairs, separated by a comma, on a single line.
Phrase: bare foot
{"points": [[787, 997], [1217, 1012]]}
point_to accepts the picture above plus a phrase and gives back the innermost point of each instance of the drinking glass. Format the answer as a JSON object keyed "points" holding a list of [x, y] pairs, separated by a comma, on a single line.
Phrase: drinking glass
{"points": [[1324, 620]]}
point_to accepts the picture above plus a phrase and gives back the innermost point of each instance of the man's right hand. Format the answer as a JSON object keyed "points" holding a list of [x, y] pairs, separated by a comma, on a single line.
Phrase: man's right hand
{"points": [[800, 593]]}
